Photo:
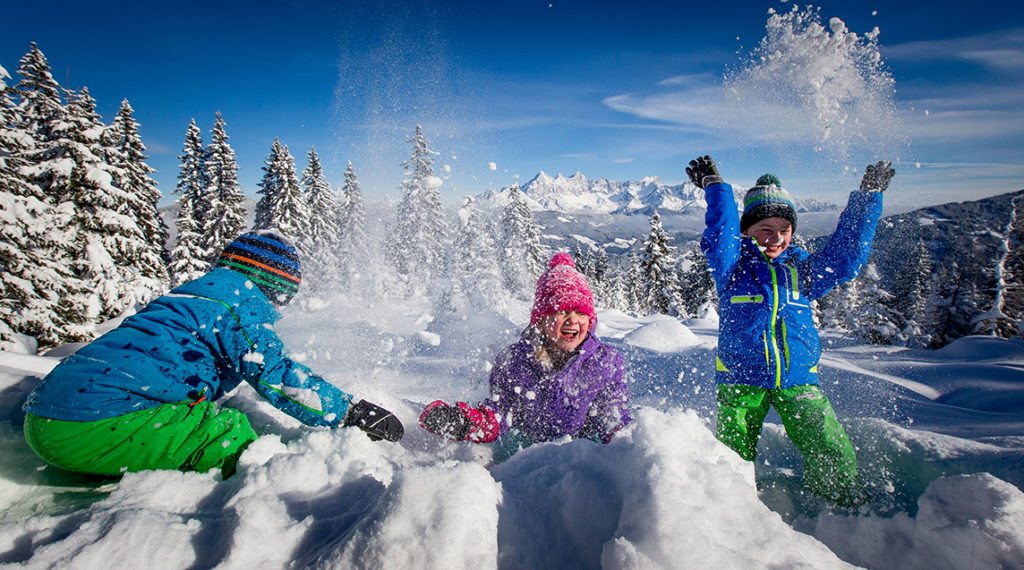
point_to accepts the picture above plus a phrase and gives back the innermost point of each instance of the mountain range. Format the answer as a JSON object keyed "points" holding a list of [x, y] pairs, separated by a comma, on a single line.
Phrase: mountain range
{"points": [[578, 194]]}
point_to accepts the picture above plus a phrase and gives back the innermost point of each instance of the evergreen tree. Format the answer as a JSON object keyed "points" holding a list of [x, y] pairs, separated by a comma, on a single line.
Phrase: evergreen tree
{"points": [[615, 290], [522, 256], [634, 282], [876, 321], [996, 321], [29, 282], [61, 315], [189, 257], [281, 205], [421, 230], [658, 268], [106, 240], [319, 246], [913, 285], [41, 109], [354, 247], [1013, 278], [224, 219], [127, 154], [599, 268], [473, 263], [697, 287]]}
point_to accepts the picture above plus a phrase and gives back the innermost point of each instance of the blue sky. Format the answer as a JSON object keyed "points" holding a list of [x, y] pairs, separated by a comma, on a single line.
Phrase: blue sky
{"points": [[620, 90]]}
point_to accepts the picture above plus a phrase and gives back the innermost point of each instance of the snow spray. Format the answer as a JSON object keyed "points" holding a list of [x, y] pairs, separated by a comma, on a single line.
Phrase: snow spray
{"points": [[811, 85]]}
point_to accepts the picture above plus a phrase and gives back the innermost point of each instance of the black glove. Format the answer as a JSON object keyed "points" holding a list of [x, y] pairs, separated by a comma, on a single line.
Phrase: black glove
{"points": [[703, 172], [377, 422], [446, 421], [877, 176]]}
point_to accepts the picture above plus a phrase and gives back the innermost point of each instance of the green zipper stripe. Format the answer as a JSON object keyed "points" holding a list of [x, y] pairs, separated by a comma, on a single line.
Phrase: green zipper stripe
{"points": [[785, 343], [767, 359], [796, 281], [775, 316]]}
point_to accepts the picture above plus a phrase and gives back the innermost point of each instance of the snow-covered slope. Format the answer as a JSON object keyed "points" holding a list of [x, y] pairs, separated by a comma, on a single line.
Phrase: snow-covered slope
{"points": [[939, 439]]}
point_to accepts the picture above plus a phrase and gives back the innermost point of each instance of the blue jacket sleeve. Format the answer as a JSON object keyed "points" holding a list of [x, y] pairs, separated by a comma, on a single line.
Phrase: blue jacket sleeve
{"points": [[848, 248], [288, 385], [721, 239]]}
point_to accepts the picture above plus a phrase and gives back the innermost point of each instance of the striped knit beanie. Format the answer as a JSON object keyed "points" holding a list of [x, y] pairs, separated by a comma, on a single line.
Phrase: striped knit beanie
{"points": [[767, 200], [268, 260], [562, 288]]}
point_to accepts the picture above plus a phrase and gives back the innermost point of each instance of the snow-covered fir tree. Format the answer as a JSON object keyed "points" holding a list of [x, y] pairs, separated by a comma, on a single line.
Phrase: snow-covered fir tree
{"points": [[696, 286], [29, 281], [840, 307], [599, 270], [224, 219], [996, 321], [319, 244], [658, 270], [281, 205], [420, 237], [49, 164], [189, 259], [520, 251], [473, 258], [911, 295], [1013, 277], [875, 322], [634, 283], [614, 288], [106, 240], [127, 154], [354, 243]]}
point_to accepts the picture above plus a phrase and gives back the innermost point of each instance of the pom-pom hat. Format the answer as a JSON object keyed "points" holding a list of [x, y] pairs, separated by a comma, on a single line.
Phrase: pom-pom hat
{"points": [[767, 200], [562, 288], [268, 260]]}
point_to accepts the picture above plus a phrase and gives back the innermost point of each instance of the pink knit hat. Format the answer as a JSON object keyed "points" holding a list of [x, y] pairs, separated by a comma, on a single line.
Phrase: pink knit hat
{"points": [[562, 288]]}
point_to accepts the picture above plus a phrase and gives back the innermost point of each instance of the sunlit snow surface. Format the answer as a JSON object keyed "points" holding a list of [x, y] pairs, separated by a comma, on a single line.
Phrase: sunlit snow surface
{"points": [[944, 468]]}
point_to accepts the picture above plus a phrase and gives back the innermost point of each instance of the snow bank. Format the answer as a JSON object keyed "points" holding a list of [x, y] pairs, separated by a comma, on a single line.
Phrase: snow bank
{"points": [[967, 521], [663, 334]]}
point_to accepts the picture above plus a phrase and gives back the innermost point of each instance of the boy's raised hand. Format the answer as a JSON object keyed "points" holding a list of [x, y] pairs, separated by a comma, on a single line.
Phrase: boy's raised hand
{"points": [[877, 176], [377, 422], [703, 172]]}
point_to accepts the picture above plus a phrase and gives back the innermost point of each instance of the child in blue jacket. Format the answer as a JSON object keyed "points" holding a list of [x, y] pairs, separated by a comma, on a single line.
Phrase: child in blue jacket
{"points": [[142, 396], [768, 346]]}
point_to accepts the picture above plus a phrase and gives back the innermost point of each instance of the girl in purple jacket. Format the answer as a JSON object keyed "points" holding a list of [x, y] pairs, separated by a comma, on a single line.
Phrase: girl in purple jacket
{"points": [[557, 380]]}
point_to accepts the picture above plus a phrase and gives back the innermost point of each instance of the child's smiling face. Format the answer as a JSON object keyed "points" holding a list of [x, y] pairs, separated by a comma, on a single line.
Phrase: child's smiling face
{"points": [[566, 329], [772, 234]]}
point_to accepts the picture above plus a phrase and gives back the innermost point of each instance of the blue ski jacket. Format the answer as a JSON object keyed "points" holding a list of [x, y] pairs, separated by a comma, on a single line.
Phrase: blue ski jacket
{"points": [[196, 343], [766, 335]]}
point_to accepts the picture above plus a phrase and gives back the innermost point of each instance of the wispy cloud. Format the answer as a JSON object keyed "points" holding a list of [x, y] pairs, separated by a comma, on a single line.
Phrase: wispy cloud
{"points": [[1002, 50]]}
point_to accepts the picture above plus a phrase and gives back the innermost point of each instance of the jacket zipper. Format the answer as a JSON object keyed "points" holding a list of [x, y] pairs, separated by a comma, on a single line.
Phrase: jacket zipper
{"points": [[775, 316]]}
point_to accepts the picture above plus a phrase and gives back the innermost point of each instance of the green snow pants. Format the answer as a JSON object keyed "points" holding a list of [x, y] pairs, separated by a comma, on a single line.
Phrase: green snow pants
{"points": [[830, 464], [187, 436]]}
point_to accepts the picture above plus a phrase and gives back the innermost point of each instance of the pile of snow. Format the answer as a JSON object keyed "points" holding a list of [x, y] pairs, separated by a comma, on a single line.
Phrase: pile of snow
{"points": [[662, 334]]}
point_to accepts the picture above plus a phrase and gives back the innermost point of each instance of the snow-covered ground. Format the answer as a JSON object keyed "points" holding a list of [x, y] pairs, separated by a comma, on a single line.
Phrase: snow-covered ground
{"points": [[940, 437]]}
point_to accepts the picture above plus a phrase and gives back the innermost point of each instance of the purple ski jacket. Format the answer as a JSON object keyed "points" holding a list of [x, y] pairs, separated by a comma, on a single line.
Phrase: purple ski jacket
{"points": [[588, 398]]}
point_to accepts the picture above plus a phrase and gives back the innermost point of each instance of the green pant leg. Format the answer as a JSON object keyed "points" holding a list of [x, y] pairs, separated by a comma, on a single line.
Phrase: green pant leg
{"points": [[830, 463], [741, 413], [169, 436]]}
